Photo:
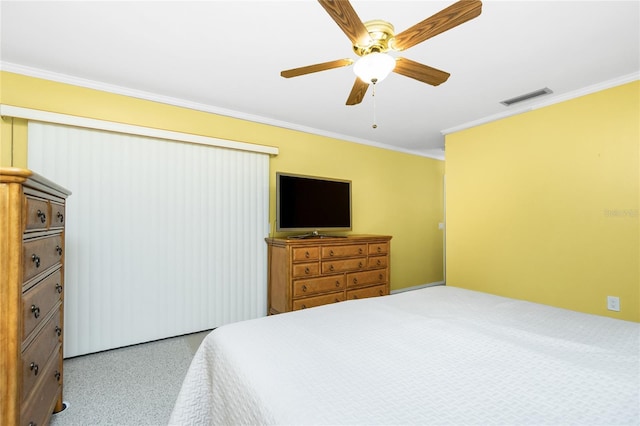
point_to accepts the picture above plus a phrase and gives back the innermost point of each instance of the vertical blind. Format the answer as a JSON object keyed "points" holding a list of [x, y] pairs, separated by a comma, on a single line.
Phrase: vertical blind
{"points": [[163, 238]]}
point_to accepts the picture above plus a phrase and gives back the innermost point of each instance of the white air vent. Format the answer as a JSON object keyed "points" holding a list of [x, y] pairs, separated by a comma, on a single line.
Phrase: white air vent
{"points": [[526, 96]]}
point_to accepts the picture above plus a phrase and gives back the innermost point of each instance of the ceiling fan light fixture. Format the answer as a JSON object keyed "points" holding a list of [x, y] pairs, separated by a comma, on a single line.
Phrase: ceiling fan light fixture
{"points": [[374, 66]]}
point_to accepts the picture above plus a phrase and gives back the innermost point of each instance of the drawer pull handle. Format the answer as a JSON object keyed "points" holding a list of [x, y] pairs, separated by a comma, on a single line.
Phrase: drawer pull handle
{"points": [[355, 281], [58, 288], [330, 252], [337, 284], [380, 277], [355, 296], [304, 288], [59, 250], [359, 264], [379, 249], [306, 271], [35, 259], [378, 262], [60, 217], [58, 331], [306, 254], [57, 376], [304, 306], [331, 268], [381, 293], [337, 300], [34, 367], [360, 250], [35, 311], [42, 216]]}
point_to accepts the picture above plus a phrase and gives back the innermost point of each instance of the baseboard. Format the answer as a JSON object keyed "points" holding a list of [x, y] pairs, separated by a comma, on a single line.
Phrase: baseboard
{"points": [[417, 287]]}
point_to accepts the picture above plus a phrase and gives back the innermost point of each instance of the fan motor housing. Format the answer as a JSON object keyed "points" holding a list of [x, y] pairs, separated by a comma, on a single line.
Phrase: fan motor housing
{"points": [[382, 34]]}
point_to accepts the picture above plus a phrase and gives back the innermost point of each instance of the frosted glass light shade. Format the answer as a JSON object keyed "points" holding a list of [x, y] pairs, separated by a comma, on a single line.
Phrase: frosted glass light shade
{"points": [[374, 66]]}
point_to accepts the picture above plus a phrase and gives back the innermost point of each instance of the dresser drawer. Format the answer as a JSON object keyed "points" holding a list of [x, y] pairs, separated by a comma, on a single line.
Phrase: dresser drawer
{"points": [[378, 248], [305, 269], [363, 293], [344, 265], [38, 301], [344, 251], [36, 355], [302, 254], [57, 215], [318, 285], [37, 213], [40, 254], [360, 279], [310, 302], [378, 261], [37, 409]]}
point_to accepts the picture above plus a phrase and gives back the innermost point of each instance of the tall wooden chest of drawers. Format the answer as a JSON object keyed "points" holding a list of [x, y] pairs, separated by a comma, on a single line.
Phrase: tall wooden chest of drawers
{"points": [[303, 273], [32, 220]]}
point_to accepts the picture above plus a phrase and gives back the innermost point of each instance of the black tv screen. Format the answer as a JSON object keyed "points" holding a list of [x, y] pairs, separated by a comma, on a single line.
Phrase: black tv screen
{"points": [[309, 203]]}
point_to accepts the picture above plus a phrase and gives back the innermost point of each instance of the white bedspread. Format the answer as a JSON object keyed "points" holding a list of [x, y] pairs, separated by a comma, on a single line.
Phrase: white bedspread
{"points": [[440, 355]]}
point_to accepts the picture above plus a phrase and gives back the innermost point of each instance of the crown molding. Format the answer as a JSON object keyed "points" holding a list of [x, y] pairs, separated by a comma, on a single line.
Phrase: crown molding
{"points": [[548, 101], [437, 154], [148, 96]]}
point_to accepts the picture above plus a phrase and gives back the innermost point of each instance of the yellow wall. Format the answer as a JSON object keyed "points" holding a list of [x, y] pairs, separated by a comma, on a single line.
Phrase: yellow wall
{"points": [[543, 206], [13, 135], [393, 193]]}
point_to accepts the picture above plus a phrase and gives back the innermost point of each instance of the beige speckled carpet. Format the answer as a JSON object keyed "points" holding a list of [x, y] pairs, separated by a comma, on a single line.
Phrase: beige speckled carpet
{"points": [[135, 385]]}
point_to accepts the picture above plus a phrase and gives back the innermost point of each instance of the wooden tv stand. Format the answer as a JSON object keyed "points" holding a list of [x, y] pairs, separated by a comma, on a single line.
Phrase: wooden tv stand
{"points": [[303, 273]]}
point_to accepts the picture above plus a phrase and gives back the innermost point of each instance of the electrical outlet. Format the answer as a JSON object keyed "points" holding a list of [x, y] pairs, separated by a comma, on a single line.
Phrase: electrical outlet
{"points": [[613, 303]]}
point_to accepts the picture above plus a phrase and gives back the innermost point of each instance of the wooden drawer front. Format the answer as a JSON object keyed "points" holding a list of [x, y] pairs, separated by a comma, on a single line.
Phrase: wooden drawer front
{"points": [[378, 261], [344, 265], [363, 293], [360, 279], [57, 215], [304, 254], [37, 213], [35, 357], [318, 285], [305, 270], [38, 301], [330, 252], [310, 302], [38, 408], [40, 254], [378, 248]]}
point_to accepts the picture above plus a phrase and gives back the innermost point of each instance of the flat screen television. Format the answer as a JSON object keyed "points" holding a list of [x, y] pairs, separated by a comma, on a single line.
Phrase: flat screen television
{"points": [[312, 204]]}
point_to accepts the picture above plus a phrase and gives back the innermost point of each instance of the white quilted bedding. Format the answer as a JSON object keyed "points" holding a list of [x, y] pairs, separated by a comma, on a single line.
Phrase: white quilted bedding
{"points": [[440, 355]]}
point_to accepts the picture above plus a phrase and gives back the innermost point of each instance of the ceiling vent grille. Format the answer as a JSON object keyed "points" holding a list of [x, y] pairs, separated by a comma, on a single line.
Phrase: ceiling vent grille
{"points": [[526, 96]]}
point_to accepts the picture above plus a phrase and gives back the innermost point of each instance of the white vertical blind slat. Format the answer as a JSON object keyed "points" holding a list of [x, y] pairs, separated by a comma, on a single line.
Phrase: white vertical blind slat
{"points": [[164, 238]]}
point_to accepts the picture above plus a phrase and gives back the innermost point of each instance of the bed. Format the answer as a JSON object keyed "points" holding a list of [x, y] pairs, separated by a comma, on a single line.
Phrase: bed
{"points": [[438, 355]]}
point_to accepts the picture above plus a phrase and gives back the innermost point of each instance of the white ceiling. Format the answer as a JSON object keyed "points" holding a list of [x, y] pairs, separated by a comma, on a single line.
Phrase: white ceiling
{"points": [[226, 57]]}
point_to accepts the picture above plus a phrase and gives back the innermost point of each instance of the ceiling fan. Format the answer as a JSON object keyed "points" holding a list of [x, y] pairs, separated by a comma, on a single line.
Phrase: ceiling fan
{"points": [[372, 39]]}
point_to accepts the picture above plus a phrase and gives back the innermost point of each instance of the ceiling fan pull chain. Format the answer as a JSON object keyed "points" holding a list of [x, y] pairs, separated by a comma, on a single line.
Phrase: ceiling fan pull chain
{"points": [[373, 93]]}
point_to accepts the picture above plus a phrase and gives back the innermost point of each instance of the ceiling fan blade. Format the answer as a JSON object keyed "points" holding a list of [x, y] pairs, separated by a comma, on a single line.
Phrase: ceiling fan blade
{"points": [[316, 67], [454, 15], [358, 91], [420, 72], [348, 20]]}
